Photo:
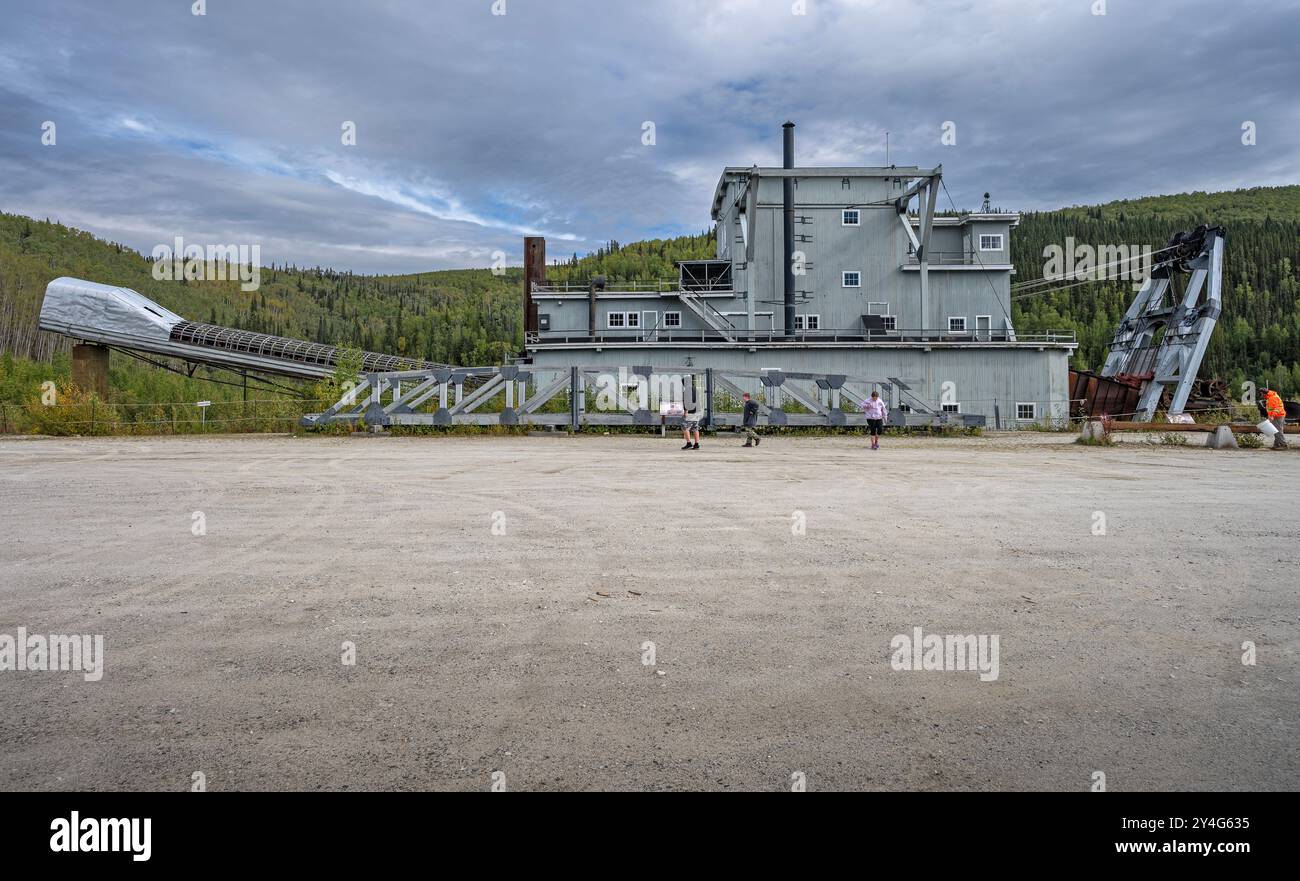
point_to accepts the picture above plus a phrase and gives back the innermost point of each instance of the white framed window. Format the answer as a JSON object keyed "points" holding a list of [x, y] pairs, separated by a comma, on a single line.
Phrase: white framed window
{"points": [[672, 319], [616, 319], [950, 408], [850, 217], [807, 322], [1027, 411], [851, 279], [991, 241], [891, 322], [634, 319], [957, 324]]}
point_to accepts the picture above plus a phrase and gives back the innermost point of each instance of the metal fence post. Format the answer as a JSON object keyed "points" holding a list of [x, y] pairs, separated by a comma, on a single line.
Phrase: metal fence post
{"points": [[575, 389], [708, 398]]}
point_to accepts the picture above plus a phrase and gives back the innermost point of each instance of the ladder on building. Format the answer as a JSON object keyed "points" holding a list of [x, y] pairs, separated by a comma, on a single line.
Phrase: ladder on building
{"points": [[706, 313]]}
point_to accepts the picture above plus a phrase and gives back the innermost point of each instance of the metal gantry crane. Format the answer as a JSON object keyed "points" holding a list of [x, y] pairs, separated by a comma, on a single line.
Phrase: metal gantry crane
{"points": [[1164, 335]]}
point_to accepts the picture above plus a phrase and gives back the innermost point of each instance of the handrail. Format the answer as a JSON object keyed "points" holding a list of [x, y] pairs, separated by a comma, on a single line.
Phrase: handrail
{"points": [[903, 335], [610, 287], [633, 287]]}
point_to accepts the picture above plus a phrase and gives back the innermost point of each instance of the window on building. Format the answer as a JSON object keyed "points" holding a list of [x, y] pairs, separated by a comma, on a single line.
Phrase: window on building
{"points": [[807, 322], [851, 279], [950, 408], [634, 319], [1027, 411], [617, 319], [991, 242], [672, 319], [850, 217], [957, 324], [891, 322]]}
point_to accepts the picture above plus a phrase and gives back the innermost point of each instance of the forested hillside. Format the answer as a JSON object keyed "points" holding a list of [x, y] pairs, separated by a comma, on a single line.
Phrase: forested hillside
{"points": [[461, 316], [475, 317]]}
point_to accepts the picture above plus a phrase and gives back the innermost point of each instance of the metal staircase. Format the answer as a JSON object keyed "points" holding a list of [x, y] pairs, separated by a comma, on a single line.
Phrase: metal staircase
{"points": [[706, 313]]}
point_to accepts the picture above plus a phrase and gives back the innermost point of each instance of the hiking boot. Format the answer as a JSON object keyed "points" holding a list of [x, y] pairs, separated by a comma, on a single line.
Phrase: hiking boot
{"points": [[695, 446], [688, 446]]}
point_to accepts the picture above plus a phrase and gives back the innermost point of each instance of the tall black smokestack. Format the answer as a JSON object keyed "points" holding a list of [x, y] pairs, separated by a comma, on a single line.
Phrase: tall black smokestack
{"points": [[787, 207]]}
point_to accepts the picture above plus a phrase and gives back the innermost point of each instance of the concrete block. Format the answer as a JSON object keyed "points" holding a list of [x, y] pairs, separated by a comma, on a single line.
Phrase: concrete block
{"points": [[1222, 438]]}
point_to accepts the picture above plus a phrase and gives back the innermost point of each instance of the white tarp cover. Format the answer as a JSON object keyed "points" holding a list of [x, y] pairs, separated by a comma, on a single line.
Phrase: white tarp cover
{"points": [[77, 307]]}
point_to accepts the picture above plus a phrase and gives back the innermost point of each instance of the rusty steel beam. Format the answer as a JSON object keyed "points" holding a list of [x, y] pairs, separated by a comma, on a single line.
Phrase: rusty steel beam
{"points": [[1235, 427], [534, 273]]}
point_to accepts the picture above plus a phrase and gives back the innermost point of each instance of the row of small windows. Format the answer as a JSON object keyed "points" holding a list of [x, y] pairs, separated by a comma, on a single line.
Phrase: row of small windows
{"points": [[632, 320], [1026, 411], [988, 241], [957, 324]]}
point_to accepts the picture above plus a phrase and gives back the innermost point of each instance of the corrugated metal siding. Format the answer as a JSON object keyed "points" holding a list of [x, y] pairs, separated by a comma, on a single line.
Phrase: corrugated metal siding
{"points": [[980, 376]]}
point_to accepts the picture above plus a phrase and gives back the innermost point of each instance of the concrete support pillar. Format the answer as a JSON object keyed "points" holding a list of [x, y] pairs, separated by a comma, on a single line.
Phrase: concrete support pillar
{"points": [[90, 368], [1222, 438]]}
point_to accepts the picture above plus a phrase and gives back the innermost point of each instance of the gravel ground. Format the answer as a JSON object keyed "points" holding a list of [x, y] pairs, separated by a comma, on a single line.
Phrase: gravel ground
{"points": [[501, 592]]}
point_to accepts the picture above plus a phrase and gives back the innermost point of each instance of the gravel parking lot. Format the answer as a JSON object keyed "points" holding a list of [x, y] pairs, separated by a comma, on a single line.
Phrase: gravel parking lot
{"points": [[615, 613]]}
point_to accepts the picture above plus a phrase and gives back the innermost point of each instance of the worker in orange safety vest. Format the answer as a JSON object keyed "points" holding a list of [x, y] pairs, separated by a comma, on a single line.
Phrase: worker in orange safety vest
{"points": [[1276, 411]]}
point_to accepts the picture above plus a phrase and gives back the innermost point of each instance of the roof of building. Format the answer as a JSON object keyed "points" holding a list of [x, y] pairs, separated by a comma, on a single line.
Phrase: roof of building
{"points": [[735, 172], [961, 220]]}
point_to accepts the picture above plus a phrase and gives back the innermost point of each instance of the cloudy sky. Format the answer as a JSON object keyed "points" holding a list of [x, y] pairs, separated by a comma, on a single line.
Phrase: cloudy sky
{"points": [[474, 128]]}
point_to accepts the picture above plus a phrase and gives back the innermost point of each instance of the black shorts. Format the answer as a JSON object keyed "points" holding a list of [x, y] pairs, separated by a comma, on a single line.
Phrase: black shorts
{"points": [[876, 426]]}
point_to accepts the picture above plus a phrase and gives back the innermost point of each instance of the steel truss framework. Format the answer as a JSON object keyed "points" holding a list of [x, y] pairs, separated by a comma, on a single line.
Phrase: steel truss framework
{"points": [[1186, 321], [622, 396]]}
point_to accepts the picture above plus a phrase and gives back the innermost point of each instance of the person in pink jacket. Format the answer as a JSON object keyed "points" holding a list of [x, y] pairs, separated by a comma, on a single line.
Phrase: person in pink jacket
{"points": [[877, 413]]}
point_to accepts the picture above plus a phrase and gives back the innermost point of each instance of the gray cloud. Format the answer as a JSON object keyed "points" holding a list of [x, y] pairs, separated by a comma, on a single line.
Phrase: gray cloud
{"points": [[474, 128]]}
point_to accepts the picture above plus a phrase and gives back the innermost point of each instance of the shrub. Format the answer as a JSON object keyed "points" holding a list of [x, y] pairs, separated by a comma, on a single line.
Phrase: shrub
{"points": [[1106, 439], [75, 411]]}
